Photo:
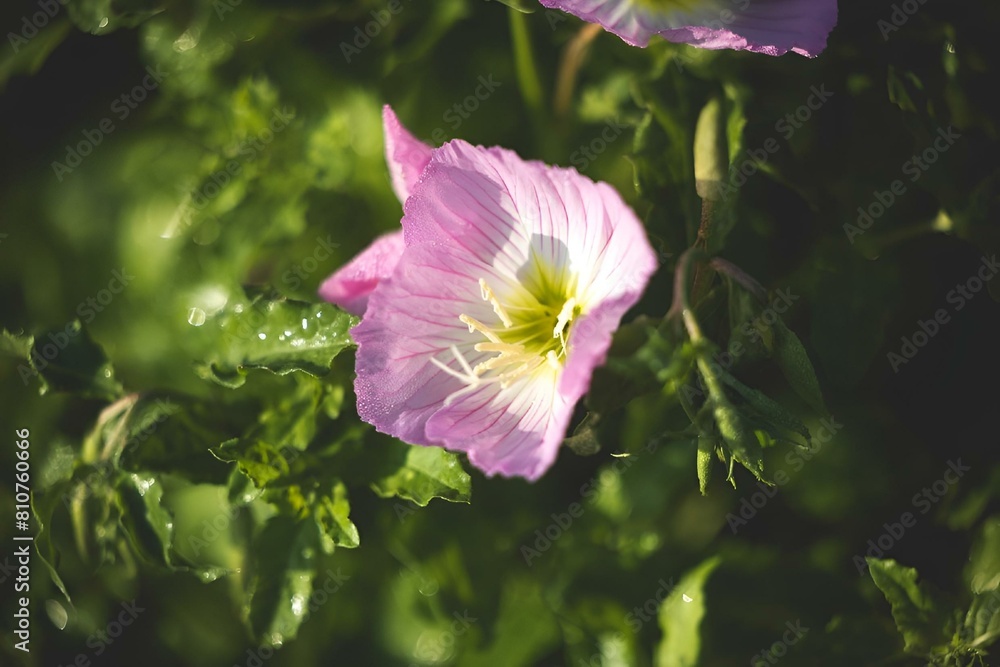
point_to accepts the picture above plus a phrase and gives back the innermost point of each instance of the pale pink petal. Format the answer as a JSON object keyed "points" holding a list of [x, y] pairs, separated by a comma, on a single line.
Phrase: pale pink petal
{"points": [[405, 154], [485, 213], [509, 212], [773, 27], [515, 431], [353, 283], [411, 318]]}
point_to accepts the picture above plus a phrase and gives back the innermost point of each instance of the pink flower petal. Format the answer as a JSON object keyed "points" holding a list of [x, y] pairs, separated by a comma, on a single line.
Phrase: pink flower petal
{"points": [[512, 431], [773, 27], [405, 154], [412, 318], [353, 283], [485, 214]]}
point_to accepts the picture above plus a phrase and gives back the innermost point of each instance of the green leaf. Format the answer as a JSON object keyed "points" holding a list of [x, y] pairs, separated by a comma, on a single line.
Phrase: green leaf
{"points": [[793, 360], [425, 473], [525, 629], [981, 626], [332, 510], [278, 335], [145, 520], [740, 439], [43, 507], [285, 553], [984, 564], [261, 462], [764, 407], [14, 345], [28, 55], [920, 618], [680, 618], [67, 360]]}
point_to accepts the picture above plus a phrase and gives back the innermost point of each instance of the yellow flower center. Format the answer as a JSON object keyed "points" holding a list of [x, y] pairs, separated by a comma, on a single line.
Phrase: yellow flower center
{"points": [[532, 330]]}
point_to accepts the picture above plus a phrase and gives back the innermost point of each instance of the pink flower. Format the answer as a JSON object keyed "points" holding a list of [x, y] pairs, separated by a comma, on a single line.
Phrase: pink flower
{"points": [[482, 329], [774, 27]]}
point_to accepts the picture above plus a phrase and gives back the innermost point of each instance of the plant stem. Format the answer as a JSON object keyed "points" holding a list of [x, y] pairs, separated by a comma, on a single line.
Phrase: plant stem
{"points": [[524, 60], [569, 67]]}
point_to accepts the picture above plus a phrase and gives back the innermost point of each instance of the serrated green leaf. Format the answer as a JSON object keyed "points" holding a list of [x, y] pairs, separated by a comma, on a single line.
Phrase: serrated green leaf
{"points": [[284, 563], [259, 461], [981, 626], [277, 335], [426, 473], [680, 618], [67, 360], [920, 618], [332, 512], [793, 360], [740, 439]]}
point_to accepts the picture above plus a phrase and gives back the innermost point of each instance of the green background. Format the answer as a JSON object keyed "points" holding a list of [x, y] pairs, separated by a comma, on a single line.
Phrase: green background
{"points": [[293, 480]]}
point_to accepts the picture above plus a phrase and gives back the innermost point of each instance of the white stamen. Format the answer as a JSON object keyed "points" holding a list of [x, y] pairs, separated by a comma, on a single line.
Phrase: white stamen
{"points": [[565, 316], [470, 377], [497, 307]]}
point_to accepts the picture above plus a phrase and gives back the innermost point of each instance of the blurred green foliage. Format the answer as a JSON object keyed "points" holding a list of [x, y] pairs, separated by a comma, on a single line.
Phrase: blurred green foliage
{"points": [[179, 177]]}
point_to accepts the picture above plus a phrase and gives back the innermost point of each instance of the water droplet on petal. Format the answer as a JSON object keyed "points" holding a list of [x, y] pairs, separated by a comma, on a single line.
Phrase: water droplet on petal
{"points": [[262, 336], [685, 597], [196, 317], [428, 587]]}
